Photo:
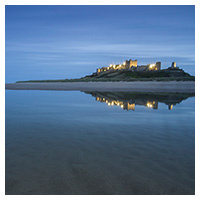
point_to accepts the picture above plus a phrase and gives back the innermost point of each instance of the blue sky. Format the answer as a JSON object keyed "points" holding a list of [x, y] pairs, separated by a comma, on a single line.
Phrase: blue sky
{"points": [[57, 42]]}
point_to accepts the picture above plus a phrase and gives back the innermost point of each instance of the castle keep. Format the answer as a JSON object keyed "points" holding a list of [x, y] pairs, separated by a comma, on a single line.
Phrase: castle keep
{"points": [[130, 65]]}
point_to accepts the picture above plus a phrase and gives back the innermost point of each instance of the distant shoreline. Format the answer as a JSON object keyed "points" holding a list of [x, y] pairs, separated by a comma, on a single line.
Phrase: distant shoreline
{"points": [[137, 86]]}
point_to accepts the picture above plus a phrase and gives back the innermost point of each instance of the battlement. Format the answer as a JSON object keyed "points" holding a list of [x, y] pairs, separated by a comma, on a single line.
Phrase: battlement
{"points": [[128, 64]]}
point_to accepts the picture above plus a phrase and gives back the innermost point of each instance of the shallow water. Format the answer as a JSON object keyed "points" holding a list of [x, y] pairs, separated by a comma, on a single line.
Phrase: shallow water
{"points": [[70, 142]]}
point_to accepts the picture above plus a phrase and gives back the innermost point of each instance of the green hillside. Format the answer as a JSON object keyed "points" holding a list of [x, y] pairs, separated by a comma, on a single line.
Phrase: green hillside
{"points": [[176, 72], [170, 74]]}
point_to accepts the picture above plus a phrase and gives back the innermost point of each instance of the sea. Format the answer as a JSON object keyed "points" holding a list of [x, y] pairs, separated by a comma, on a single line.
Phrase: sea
{"points": [[99, 143]]}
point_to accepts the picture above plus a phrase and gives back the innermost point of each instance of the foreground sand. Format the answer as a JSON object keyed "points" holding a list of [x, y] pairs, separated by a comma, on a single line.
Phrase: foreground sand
{"points": [[139, 86]]}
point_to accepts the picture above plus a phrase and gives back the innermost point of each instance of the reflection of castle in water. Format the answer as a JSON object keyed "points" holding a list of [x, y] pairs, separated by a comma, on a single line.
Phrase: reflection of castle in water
{"points": [[130, 105], [128, 100]]}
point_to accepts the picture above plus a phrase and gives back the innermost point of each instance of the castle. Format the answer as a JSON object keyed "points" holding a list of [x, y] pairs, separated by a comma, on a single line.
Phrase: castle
{"points": [[132, 65]]}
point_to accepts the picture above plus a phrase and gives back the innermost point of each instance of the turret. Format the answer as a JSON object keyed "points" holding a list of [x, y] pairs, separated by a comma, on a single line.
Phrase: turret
{"points": [[173, 64]]}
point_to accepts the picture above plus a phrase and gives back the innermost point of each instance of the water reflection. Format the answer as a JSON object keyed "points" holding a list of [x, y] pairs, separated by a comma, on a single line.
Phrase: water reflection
{"points": [[129, 100], [66, 143]]}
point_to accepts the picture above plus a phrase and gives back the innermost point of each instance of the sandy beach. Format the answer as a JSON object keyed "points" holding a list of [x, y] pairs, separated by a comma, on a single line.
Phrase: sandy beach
{"points": [[153, 86]]}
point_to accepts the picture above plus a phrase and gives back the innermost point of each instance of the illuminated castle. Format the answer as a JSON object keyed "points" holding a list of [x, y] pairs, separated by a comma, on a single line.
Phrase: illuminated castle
{"points": [[130, 65]]}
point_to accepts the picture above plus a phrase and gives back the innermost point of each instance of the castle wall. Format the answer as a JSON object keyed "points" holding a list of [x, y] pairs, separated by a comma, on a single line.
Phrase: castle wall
{"points": [[132, 64], [141, 68]]}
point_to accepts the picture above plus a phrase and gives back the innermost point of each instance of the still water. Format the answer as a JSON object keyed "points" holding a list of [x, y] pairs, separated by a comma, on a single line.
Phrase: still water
{"points": [[71, 142]]}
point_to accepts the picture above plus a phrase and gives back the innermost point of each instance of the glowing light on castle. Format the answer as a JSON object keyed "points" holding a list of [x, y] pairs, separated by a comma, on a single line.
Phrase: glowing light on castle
{"points": [[152, 65]]}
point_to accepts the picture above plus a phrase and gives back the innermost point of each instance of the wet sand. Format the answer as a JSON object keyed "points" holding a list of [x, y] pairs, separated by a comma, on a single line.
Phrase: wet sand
{"points": [[139, 86], [67, 143]]}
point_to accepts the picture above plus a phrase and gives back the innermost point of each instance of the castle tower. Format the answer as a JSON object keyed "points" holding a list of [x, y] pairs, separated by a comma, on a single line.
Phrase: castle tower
{"points": [[130, 63], [158, 65], [173, 64], [133, 63], [98, 70]]}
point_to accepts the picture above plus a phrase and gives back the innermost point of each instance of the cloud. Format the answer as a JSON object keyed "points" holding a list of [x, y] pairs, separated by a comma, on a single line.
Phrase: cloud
{"points": [[57, 50]]}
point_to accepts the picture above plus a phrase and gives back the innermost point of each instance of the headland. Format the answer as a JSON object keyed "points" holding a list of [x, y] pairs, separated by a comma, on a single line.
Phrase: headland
{"points": [[131, 71]]}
